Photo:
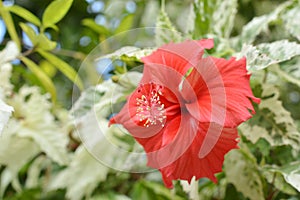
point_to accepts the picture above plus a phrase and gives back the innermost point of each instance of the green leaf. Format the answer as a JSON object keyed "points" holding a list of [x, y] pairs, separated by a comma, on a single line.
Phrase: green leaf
{"points": [[282, 74], [25, 14], [33, 179], [50, 141], [293, 68], [291, 22], [211, 16], [140, 192], [266, 54], [103, 96], [6, 16], [223, 17], [272, 121], [270, 95], [130, 52], [275, 176], [5, 180], [55, 11], [109, 196], [54, 27], [165, 32], [86, 101], [210, 190], [242, 171], [147, 190], [24, 150], [90, 113], [125, 24], [64, 67], [251, 133], [260, 24], [38, 123], [129, 81], [81, 177], [30, 33], [41, 40], [40, 74], [90, 23], [291, 173]]}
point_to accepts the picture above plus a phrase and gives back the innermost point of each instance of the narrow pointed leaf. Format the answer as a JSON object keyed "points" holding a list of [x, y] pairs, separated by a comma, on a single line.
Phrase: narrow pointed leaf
{"points": [[125, 24], [6, 16], [55, 12], [43, 78], [62, 66], [30, 33], [25, 14], [90, 23]]}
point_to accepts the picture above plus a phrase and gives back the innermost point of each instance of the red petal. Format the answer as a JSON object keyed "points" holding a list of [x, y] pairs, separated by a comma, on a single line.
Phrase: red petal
{"points": [[238, 91], [180, 56], [206, 82], [170, 143], [190, 164], [223, 92], [164, 76], [206, 43]]}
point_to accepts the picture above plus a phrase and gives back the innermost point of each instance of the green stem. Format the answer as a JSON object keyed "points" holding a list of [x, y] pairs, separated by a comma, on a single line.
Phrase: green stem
{"points": [[271, 192]]}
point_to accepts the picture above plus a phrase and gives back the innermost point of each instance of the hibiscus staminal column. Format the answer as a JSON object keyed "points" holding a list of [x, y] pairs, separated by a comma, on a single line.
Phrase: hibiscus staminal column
{"points": [[150, 110]]}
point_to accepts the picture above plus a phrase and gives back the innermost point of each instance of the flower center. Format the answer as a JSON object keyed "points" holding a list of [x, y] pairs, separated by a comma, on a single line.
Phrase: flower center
{"points": [[150, 109]]}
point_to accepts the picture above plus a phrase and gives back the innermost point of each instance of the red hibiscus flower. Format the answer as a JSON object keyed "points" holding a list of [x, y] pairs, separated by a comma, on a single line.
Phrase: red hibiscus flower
{"points": [[186, 109]]}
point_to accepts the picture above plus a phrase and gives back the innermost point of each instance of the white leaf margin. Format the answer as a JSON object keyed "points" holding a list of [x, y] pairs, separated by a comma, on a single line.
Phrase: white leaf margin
{"points": [[291, 173], [5, 113], [294, 179]]}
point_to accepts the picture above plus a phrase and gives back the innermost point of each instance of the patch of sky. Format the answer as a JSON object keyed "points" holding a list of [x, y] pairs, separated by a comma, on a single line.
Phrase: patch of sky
{"points": [[130, 6], [100, 19], [27, 42], [2, 30], [104, 66]]}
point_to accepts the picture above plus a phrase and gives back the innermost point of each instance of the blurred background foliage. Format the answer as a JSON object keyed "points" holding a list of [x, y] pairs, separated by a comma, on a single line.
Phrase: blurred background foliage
{"points": [[56, 166], [89, 22]]}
